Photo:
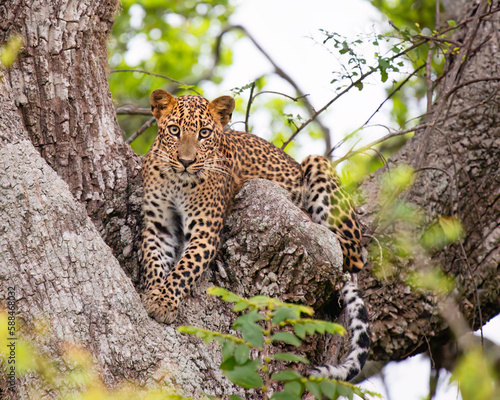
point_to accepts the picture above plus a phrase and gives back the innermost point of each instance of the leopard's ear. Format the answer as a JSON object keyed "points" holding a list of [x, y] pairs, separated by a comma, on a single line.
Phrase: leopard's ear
{"points": [[222, 109], [162, 103]]}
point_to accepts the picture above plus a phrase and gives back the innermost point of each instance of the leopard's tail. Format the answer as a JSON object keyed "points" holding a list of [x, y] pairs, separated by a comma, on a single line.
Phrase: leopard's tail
{"points": [[358, 329]]}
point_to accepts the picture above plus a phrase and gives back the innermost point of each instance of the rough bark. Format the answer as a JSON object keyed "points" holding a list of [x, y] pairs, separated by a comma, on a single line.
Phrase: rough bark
{"points": [[60, 88], [56, 100]]}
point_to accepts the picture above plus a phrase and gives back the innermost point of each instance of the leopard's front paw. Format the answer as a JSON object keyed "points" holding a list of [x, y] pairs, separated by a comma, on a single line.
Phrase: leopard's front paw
{"points": [[162, 308]]}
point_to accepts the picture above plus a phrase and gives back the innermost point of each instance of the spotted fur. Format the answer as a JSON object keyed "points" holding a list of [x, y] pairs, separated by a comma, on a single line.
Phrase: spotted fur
{"points": [[190, 175]]}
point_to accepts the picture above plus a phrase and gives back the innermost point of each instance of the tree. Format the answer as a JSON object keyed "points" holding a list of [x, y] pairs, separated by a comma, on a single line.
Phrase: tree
{"points": [[70, 212]]}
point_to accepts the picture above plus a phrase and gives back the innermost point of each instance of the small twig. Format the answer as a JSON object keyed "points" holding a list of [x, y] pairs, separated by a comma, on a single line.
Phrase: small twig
{"points": [[434, 169], [249, 105], [401, 132], [352, 85], [189, 87], [381, 156], [141, 130], [281, 94], [253, 97], [382, 139], [428, 77], [328, 104], [384, 385], [394, 92], [280, 72], [344, 158], [470, 82], [450, 311], [440, 40], [381, 252]]}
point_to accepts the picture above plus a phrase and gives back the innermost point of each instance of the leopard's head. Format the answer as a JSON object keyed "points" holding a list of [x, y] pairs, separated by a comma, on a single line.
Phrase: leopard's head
{"points": [[190, 129]]}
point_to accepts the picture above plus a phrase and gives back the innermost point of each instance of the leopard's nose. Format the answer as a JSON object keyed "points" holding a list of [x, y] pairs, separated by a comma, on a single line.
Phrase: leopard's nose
{"points": [[185, 162]]}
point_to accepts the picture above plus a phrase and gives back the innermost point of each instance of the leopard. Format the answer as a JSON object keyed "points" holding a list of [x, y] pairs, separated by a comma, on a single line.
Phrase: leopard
{"points": [[191, 174]]}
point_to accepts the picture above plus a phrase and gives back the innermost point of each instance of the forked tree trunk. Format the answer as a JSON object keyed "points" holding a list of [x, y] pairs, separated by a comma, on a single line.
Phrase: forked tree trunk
{"points": [[67, 181]]}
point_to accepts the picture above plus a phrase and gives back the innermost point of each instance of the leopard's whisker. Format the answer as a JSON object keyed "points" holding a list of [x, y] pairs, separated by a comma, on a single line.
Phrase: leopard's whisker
{"points": [[163, 156], [215, 169]]}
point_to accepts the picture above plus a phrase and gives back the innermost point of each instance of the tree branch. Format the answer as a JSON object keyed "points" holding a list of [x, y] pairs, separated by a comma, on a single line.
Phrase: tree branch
{"points": [[132, 110], [140, 71], [150, 122]]}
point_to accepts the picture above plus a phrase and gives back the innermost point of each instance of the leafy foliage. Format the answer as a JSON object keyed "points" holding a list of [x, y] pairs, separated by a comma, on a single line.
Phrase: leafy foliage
{"points": [[10, 50], [266, 323], [477, 376], [73, 376], [407, 13], [170, 38]]}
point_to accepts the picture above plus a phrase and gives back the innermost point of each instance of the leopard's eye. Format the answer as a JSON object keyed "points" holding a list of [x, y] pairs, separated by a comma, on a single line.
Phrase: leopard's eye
{"points": [[174, 130], [205, 132]]}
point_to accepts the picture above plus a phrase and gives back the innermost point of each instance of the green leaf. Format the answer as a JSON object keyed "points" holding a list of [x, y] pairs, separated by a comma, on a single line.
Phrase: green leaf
{"points": [[300, 330], [433, 280], [10, 50], [285, 396], [328, 388], [262, 301], [283, 313], [187, 329], [310, 328], [240, 306], [245, 376], [204, 334], [242, 354], [250, 317], [345, 391], [477, 375], [285, 376], [451, 22], [314, 388], [333, 328], [228, 364], [224, 294], [291, 357], [452, 228], [251, 332], [234, 397], [294, 387], [208, 338], [228, 349], [286, 337]]}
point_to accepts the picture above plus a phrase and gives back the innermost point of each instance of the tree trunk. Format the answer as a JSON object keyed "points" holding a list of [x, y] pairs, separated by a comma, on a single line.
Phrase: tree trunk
{"points": [[60, 88], [57, 205]]}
